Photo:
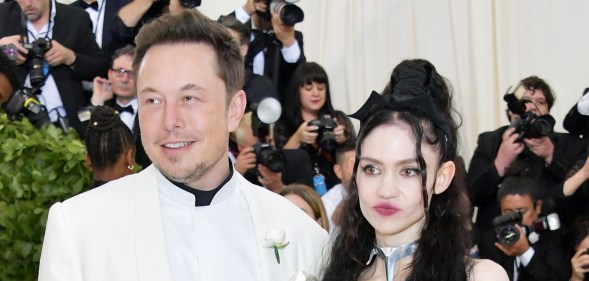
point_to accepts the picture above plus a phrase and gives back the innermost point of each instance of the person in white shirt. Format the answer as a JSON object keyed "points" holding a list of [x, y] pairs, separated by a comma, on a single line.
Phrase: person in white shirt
{"points": [[344, 154], [189, 216]]}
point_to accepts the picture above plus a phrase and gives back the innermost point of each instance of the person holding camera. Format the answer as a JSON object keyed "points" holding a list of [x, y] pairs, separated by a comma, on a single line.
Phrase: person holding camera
{"points": [[276, 48], [526, 253], [578, 240], [258, 162], [309, 121], [136, 13], [548, 156], [56, 51]]}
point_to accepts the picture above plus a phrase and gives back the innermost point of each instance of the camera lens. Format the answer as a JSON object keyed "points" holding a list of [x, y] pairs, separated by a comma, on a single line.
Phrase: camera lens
{"points": [[508, 235], [273, 159]]}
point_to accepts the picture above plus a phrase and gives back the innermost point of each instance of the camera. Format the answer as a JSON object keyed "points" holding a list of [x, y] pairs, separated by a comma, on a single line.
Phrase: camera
{"points": [[507, 234], [183, 3], [37, 50], [529, 125], [263, 114], [289, 13], [24, 102], [325, 136]]}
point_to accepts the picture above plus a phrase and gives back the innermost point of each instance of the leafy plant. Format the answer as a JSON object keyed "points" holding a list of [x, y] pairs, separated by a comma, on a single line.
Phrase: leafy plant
{"points": [[38, 167]]}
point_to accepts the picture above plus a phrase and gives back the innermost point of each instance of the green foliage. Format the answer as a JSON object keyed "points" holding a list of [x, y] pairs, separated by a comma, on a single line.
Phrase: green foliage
{"points": [[38, 167]]}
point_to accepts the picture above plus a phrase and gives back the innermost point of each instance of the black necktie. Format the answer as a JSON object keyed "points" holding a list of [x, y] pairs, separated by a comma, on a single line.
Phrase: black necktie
{"points": [[127, 108], [93, 5]]}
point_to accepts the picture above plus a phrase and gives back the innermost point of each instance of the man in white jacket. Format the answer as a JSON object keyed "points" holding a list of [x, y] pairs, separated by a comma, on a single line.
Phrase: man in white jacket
{"points": [[189, 216]]}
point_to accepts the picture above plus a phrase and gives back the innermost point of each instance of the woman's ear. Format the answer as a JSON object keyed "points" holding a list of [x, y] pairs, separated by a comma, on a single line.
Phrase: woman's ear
{"points": [[444, 176]]}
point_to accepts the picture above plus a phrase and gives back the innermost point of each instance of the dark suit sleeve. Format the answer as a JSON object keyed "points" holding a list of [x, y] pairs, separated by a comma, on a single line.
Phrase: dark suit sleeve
{"points": [[576, 123], [482, 175], [286, 69], [549, 261], [90, 61], [568, 150], [298, 167]]}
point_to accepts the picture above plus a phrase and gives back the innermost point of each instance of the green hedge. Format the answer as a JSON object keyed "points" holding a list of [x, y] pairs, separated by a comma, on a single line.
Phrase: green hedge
{"points": [[38, 167]]}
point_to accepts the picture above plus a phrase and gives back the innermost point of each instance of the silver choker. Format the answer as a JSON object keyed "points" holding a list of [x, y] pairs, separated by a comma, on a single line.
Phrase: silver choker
{"points": [[390, 255]]}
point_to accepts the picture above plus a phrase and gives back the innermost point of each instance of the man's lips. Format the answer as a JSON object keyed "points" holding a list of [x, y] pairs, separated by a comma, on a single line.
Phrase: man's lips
{"points": [[177, 145], [386, 209]]}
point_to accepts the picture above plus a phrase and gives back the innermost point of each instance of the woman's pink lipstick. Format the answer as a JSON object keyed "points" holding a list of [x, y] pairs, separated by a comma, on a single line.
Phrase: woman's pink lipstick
{"points": [[385, 209]]}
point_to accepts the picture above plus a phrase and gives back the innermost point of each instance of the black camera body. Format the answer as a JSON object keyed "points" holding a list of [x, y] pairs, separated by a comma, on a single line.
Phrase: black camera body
{"points": [[325, 135], [269, 156], [36, 57], [24, 103], [507, 233], [266, 154], [529, 125], [289, 13]]}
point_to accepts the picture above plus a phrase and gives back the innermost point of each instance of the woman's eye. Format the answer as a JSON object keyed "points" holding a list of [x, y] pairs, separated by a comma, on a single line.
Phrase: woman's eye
{"points": [[370, 170], [409, 172]]}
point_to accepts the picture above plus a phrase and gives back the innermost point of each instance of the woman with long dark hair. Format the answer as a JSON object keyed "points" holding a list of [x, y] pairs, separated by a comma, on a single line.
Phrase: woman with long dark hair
{"points": [[305, 121], [406, 216]]}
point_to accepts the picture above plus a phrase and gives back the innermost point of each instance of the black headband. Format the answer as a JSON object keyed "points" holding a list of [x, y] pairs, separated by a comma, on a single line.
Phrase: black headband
{"points": [[422, 103]]}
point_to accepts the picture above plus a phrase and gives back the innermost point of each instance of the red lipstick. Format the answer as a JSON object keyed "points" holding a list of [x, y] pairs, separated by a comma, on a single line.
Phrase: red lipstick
{"points": [[386, 209]]}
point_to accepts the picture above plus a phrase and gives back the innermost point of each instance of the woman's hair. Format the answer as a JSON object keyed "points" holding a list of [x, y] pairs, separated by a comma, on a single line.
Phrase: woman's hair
{"points": [[312, 198], [578, 231], [306, 73], [444, 242], [107, 137]]}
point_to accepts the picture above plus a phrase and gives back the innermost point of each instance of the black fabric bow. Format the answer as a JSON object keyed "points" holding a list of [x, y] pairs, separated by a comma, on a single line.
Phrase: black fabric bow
{"points": [[423, 103], [127, 108], [93, 5]]}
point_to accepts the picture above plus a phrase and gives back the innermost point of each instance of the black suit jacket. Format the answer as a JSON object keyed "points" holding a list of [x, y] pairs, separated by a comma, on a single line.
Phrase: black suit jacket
{"points": [[549, 262], [72, 29], [484, 178], [275, 67], [110, 10], [575, 122]]}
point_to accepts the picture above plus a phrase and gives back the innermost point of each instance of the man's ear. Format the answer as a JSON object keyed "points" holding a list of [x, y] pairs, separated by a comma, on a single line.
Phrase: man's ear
{"points": [[236, 110], [351, 163], [337, 169], [444, 176], [538, 207]]}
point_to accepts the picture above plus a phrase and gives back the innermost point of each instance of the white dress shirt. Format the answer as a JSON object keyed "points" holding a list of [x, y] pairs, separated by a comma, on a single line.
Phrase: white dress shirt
{"points": [[127, 117], [209, 242], [97, 18]]}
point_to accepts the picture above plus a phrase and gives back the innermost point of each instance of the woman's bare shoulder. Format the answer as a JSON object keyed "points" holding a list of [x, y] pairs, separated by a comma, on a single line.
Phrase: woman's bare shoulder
{"points": [[487, 270]]}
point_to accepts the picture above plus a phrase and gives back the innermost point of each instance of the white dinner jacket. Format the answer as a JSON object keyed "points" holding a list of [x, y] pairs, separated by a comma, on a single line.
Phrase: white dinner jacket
{"points": [[115, 232]]}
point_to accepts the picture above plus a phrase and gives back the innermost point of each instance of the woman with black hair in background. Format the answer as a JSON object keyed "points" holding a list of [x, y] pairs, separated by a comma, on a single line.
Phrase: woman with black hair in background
{"points": [[406, 216], [308, 99], [579, 244], [110, 146]]}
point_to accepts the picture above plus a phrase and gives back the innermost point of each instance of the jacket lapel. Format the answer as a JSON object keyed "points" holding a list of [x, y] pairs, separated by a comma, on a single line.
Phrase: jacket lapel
{"points": [[263, 222], [150, 241]]}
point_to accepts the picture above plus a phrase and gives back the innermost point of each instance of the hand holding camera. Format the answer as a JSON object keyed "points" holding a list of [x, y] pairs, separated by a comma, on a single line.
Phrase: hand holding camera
{"points": [[542, 147], [11, 43], [508, 151], [580, 264], [59, 54], [284, 33], [245, 160], [518, 247]]}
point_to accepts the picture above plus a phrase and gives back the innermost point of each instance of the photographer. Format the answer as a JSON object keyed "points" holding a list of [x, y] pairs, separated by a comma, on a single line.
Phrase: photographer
{"points": [[308, 121], [296, 168], [578, 240], [535, 256], [134, 15], [548, 157], [62, 53], [276, 49]]}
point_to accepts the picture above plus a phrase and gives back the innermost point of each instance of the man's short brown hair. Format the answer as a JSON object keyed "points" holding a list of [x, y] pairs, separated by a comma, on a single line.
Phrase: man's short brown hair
{"points": [[190, 26]]}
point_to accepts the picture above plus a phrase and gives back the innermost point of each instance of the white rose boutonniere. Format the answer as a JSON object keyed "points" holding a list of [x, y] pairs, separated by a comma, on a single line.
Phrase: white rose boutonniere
{"points": [[275, 239]]}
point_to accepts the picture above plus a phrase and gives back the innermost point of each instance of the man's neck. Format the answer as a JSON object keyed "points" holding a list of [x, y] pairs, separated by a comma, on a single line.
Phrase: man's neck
{"points": [[125, 101]]}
